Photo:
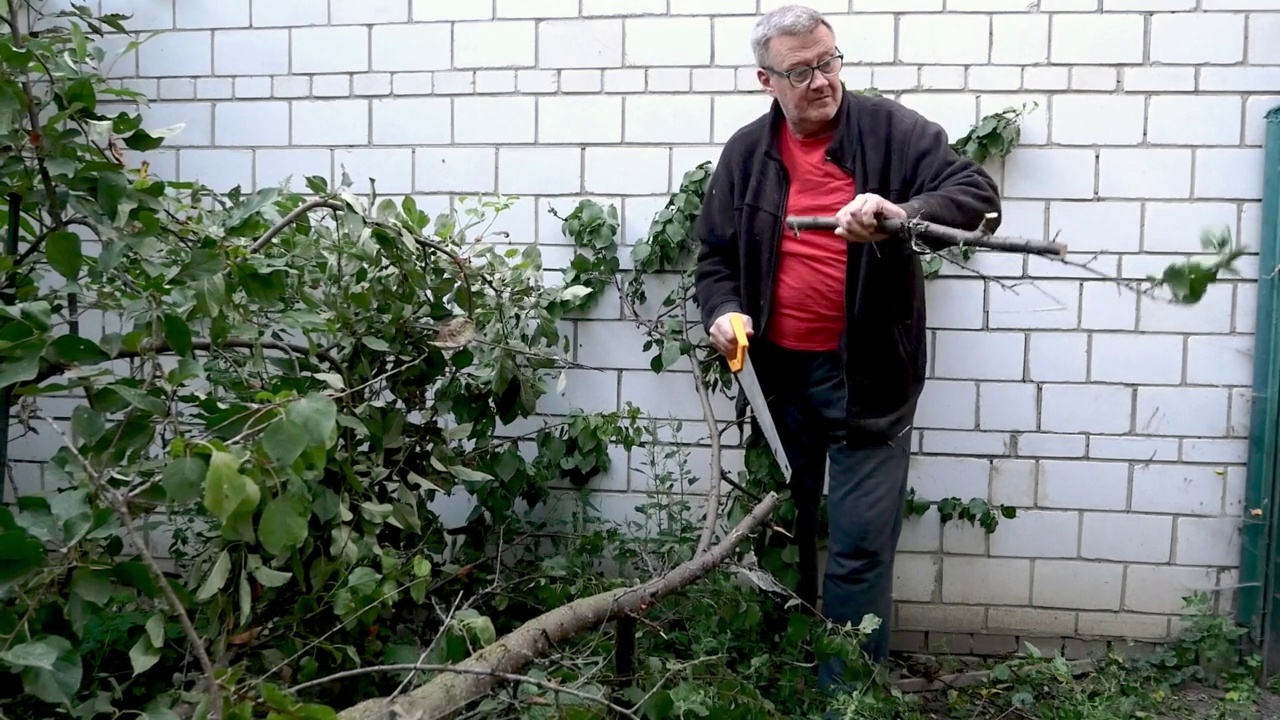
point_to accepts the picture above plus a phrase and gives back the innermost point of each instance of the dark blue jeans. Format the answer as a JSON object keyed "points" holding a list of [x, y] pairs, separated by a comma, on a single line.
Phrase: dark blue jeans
{"points": [[865, 496]]}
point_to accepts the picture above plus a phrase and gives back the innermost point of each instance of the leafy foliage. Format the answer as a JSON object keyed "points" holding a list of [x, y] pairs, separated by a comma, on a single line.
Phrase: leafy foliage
{"points": [[286, 395], [995, 135], [1188, 281]]}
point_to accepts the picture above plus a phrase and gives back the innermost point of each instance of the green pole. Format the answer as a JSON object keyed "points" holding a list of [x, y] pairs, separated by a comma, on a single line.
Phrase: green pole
{"points": [[1258, 552], [10, 250]]}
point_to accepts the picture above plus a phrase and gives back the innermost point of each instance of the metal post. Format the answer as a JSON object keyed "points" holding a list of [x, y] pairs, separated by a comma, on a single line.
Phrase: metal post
{"points": [[1259, 561]]}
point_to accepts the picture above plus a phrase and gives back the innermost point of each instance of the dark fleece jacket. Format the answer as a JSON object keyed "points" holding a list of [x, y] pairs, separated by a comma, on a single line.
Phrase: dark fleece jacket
{"points": [[890, 150]]}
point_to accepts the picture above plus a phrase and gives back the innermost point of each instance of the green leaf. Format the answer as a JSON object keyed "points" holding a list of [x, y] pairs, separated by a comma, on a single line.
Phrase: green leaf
{"points": [[38, 314], [142, 141], [19, 370], [363, 580], [217, 577], [111, 192], [182, 479], [468, 475], [155, 630], [480, 625], [316, 414], [91, 585], [574, 293], [82, 92], [35, 654], [87, 424], [177, 334], [255, 203], [19, 554], [374, 343], [140, 399], [271, 578], [75, 350], [225, 489], [143, 655], [284, 440], [62, 250], [58, 682], [284, 524]]}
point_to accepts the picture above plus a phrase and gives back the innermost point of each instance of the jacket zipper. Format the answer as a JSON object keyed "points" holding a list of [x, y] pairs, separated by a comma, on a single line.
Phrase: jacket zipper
{"points": [[844, 336], [776, 233]]}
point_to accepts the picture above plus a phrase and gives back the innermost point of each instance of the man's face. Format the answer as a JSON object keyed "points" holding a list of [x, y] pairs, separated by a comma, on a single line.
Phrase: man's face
{"points": [[813, 104]]}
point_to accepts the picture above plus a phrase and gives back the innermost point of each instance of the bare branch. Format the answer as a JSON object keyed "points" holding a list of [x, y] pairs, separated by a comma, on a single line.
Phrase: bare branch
{"points": [[934, 235]]}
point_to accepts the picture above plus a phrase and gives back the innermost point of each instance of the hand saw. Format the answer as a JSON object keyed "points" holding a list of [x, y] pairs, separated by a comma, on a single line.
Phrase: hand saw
{"points": [[740, 364]]}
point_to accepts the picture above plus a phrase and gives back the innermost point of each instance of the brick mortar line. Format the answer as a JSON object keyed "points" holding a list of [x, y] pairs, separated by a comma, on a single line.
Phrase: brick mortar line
{"points": [[993, 12]]}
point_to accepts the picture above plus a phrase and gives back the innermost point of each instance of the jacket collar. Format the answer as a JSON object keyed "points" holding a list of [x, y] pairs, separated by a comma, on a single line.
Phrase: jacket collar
{"points": [[846, 129]]}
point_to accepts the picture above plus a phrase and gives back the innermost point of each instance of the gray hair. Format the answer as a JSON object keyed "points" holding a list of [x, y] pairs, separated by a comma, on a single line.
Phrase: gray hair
{"points": [[786, 20]]}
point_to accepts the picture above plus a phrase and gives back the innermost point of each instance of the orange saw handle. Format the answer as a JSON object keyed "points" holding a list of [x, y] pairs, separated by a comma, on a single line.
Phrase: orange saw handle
{"points": [[740, 332]]}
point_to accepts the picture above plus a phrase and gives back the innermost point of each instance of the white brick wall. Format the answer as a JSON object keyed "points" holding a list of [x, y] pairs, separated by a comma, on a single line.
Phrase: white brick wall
{"points": [[1149, 126]]}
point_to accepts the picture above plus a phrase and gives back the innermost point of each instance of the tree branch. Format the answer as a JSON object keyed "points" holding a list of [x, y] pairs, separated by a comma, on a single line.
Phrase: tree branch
{"points": [[474, 677], [934, 235], [33, 115], [291, 218], [120, 505], [510, 677], [160, 347]]}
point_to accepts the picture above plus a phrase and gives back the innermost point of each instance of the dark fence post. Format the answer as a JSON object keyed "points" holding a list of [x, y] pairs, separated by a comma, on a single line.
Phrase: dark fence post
{"points": [[10, 250]]}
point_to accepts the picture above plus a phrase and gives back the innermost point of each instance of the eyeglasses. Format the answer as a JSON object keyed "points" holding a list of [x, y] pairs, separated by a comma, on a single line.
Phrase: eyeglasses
{"points": [[802, 76]]}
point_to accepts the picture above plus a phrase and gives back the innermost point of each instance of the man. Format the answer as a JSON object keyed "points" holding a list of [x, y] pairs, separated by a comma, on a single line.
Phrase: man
{"points": [[836, 318]]}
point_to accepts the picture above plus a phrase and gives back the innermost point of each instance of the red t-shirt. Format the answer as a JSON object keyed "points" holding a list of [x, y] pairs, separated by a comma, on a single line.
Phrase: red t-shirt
{"points": [[808, 306]]}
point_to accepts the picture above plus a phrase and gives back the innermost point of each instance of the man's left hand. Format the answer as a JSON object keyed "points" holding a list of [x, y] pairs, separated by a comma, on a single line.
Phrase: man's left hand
{"points": [[860, 219]]}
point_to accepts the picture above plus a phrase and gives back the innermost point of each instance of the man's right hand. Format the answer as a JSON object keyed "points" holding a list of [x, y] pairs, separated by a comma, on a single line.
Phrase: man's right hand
{"points": [[722, 336]]}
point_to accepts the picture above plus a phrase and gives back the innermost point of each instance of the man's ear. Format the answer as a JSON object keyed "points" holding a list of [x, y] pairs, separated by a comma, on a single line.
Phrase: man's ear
{"points": [[766, 80]]}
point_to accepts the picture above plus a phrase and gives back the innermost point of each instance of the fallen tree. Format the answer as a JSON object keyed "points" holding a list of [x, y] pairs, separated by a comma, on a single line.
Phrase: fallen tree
{"points": [[475, 677]]}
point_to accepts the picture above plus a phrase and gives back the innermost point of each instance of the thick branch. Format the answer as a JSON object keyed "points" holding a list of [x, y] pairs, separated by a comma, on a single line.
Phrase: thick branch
{"points": [[292, 217], [161, 347], [932, 234], [516, 650], [33, 115], [510, 677]]}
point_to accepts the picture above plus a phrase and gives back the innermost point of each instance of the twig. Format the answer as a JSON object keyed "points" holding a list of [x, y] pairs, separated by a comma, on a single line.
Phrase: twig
{"points": [[510, 677], [968, 679], [671, 673], [444, 628], [121, 508]]}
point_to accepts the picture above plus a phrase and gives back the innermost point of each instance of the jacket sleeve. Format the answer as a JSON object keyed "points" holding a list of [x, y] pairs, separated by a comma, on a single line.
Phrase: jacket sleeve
{"points": [[717, 277], [946, 187]]}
